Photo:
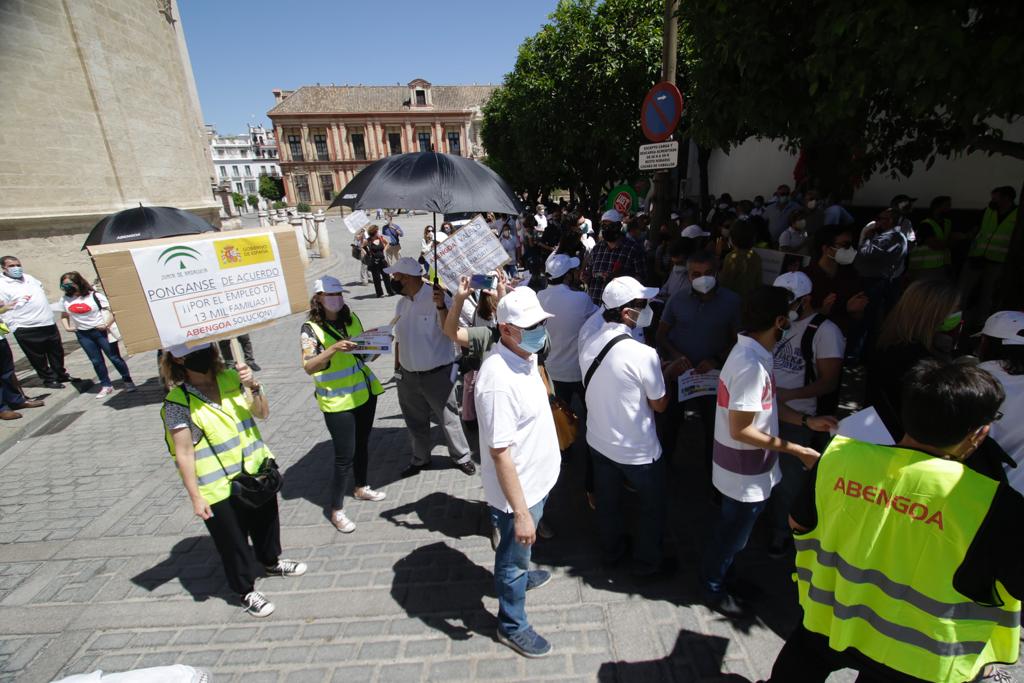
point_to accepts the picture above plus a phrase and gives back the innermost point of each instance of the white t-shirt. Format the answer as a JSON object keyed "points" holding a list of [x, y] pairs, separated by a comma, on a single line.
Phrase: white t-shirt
{"points": [[588, 242], [620, 422], [1009, 432], [27, 299], [512, 411], [542, 221], [742, 472], [571, 309], [789, 361], [421, 343], [83, 311]]}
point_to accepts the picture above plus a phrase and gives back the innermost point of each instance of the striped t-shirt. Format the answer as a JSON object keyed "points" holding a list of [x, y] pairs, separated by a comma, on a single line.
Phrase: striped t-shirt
{"points": [[740, 471]]}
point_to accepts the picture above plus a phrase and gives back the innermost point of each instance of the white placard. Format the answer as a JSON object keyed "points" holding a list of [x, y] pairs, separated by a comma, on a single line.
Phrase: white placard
{"points": [[356, 220], [659, 155], [215, 286], [373, 341], [775, 263], [473, 248], [693, 384]]}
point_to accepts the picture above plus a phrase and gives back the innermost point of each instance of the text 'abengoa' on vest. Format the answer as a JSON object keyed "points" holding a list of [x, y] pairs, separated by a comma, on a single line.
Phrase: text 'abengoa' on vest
{"points": [[879, 496]]}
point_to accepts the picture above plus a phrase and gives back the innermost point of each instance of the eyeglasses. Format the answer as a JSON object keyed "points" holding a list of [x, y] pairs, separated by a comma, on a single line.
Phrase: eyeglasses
{"points": [[533, 327]]}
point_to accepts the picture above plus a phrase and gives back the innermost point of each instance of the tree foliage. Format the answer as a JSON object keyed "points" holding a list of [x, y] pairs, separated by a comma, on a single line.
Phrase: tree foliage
{"points": [[271, 189], [868, 88], [568, 115]]}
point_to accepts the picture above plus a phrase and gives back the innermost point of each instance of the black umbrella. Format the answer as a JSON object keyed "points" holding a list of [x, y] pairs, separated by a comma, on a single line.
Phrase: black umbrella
{"points": [[429, 181], [146, 223]]}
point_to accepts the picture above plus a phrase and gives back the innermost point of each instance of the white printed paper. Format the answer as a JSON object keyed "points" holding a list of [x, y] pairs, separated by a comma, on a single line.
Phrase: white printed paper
{"points": [[693, 384], [356, 220], [473, 248], [203, 288], [866, 425], [373, 341]]}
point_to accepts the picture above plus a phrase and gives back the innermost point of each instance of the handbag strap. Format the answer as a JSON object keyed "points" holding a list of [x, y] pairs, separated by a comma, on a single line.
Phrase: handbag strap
{"points": [[333, 331], [188, 404], [600, 357], [547, 380]]}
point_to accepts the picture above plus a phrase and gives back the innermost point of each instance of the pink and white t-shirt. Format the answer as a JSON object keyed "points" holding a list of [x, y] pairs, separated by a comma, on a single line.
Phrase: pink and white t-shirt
{"points": [[746, 383]]}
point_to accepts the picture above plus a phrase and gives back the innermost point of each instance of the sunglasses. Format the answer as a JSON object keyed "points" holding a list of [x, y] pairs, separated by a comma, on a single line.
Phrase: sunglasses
{"points": [[533, 327]]}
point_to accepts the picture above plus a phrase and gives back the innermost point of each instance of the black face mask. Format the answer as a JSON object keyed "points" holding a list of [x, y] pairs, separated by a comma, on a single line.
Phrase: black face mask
{"points": [[69, 288], [994, 205], [396, 286], [611, 234], [199, 361]]}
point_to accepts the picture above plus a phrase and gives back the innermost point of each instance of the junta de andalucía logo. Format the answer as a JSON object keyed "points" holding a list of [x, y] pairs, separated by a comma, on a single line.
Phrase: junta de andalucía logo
{"points": [[179, 252]]}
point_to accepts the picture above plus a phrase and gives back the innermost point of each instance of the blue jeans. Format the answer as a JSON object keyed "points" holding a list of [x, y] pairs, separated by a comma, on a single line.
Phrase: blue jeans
{"points": [[735, 522], [95, 344], [511, 567], [649, 482]]}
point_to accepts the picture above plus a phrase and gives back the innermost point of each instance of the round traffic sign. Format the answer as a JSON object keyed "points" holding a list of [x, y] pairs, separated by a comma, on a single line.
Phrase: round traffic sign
{"points": [[660, 112]]}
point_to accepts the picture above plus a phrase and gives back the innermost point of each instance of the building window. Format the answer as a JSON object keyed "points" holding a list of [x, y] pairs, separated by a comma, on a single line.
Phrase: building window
{"points": [[424, 139], [454, 144], [234, 172], [238, 188], [295, 145], [263, 170], [245, 153], [223, 171], [248, 171], [394, 142], [320, 142], [358, 146], [327, 183], [421, 98], [302, 187], [250, 187]]}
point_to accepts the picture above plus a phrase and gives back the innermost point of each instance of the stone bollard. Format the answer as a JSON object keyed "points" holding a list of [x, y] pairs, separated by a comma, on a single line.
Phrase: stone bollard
{"points": [[263, 216], [323, 240], [296, 224]]}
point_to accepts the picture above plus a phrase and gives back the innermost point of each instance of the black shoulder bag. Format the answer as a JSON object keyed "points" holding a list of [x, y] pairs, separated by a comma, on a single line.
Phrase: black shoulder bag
{"points": [[827, 404], [252, 490], [600, 357]]}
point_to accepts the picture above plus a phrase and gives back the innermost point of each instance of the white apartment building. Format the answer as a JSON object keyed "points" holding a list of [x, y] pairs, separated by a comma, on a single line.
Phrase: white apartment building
{"points": [[240, 160]]}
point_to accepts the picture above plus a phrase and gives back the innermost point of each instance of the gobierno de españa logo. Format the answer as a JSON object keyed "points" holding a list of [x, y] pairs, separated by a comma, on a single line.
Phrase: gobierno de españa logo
{"points": [[179, 253]]}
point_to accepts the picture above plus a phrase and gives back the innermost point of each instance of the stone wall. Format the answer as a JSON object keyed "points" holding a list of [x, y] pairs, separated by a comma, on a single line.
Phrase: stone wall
{"points": [[99, 113]]}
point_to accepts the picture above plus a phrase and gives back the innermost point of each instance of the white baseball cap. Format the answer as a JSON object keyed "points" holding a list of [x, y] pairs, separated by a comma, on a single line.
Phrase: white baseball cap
{"points": [[558, 265], [328, 284], [695, 231], [798, 284], [406, 265], [622, 290], [181, 350], [674, 216], [611, 216], [521, 308], [1007, 326]]}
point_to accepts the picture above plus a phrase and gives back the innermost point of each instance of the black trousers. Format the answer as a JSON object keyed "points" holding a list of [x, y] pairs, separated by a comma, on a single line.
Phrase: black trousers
{"points": [[807, 658], [377, 267], [225, 350], [350, 433], [44, 350], [670, 421], [231, 527], [10, 390]]}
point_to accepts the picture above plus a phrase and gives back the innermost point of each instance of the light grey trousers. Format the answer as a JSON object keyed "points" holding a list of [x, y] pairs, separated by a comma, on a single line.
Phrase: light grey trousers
{"points": [[431, 395]]}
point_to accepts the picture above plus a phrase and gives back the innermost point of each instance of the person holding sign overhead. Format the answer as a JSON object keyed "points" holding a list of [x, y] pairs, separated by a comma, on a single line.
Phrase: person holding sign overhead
{"points": [[346, 391]]}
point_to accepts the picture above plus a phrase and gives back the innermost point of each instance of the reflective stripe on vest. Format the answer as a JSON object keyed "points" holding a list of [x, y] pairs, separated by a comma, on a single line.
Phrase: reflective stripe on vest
{"points": [[923, 257], [876, 574], [993, 240], [346, 383], [229, 435]]}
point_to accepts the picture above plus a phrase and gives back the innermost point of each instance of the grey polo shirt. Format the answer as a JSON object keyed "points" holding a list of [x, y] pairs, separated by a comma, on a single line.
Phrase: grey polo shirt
{"points": [[702, 329]]}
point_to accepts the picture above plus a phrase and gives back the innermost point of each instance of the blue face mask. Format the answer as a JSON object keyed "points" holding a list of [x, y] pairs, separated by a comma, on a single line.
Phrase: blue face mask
{"points": [[15, 272], [533, 340]]}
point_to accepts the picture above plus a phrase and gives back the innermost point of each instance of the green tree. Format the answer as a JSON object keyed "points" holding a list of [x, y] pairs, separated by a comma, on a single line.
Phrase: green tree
{"points": [[253, 201], [271, 189], [568, 115], [238, 199]]}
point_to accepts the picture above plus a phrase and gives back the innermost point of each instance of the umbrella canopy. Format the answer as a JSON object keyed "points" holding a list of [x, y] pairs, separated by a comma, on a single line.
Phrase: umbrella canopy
{"points": [[146, 223], [429, 181]]}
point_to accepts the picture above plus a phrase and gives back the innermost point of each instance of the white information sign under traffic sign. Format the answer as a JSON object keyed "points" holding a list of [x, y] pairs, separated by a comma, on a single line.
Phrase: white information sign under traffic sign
{"points": [[473, 248], [208, 287], [659, 155]]}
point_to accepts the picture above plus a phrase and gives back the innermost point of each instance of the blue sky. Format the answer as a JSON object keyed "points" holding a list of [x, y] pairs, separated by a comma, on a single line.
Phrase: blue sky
{"points": [[240, 51]]}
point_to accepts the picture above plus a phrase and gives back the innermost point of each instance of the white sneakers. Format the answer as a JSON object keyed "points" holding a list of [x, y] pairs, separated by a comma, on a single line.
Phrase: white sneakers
{"points": [[366, 493], [104, 392], [342, 523]]}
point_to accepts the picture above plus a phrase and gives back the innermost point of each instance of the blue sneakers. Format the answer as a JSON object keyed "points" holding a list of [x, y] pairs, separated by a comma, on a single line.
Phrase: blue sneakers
{"points": [[528, 643], [535, 578]]}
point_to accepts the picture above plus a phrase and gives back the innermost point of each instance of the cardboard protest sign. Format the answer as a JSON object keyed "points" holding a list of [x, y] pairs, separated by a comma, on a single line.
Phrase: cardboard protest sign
{"points": [[775, 263], [473, 248], [693, 384], [201, 287]]}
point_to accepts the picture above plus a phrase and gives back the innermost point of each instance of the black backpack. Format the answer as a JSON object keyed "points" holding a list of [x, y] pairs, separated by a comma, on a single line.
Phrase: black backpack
{"points": [[828, 403]]}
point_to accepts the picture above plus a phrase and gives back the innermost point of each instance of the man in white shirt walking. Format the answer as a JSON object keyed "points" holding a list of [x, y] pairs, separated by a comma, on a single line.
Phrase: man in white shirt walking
{"points": [[27, 312], [424, 368], [519, 458], [624, 388]]}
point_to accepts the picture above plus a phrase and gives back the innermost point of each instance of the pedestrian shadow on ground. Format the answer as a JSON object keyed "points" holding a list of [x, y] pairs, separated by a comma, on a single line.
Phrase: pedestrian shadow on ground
{"points": [[194, 562], [443, 513], [695, 657], [444, 589], [150, 392]]}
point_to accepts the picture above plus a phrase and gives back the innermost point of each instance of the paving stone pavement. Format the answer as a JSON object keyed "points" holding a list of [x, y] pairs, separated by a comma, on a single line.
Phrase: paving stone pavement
{"points": [[103, 564]]}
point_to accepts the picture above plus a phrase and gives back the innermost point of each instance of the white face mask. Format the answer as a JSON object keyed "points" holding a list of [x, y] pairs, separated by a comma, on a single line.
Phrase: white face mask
{"points": [[334, 303], [845, 257], [704, 283], [812, 204], [645, 316]]}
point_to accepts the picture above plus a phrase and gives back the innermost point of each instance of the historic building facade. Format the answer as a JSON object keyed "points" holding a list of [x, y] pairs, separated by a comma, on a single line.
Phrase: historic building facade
{"points": [[327, 134], [240, 160]]}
